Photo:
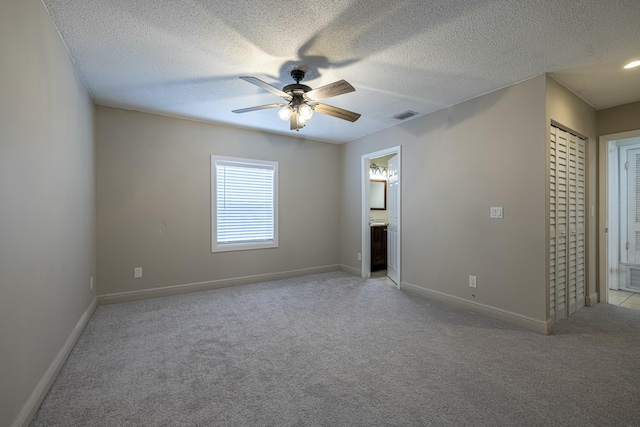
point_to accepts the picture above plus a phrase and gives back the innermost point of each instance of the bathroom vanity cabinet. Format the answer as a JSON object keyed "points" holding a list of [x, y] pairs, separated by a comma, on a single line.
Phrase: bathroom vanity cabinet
{"points": [[378, 248]]}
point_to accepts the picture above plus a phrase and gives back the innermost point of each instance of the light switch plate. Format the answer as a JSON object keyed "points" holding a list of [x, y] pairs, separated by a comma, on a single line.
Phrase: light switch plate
{"points": [[137, 272], [496, 212]]}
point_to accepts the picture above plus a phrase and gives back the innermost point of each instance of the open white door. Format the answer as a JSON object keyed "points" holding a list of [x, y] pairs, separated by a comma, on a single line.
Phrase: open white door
{"points": [[393, 232]]}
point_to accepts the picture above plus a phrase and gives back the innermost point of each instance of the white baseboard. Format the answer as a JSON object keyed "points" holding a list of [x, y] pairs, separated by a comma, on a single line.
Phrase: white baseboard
{"points": [[591, 300], [350, 270], [544, 327], [210, 285], [40, 392]]}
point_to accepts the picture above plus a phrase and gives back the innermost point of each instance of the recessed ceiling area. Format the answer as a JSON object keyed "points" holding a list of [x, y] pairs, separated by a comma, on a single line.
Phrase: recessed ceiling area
{"points": [[185, 58]]}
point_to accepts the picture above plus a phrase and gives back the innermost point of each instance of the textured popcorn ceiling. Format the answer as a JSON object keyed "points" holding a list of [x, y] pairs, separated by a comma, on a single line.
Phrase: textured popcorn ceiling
{"points": [[183, 58]]}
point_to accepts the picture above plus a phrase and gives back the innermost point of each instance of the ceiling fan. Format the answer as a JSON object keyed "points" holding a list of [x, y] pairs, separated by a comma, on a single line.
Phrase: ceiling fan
{"points": [[303, 100]]}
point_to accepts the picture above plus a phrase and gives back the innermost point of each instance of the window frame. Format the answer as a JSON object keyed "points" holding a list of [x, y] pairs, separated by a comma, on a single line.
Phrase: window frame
{"points": [[227, 247]]}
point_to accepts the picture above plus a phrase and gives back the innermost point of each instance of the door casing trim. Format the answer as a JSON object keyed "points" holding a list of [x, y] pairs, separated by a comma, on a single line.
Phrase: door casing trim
{"points": [[365, 249]]}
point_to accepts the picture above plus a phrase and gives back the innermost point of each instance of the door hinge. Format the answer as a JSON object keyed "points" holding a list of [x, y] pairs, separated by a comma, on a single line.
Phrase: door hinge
{"points": [[626, 165], [627, 245]]}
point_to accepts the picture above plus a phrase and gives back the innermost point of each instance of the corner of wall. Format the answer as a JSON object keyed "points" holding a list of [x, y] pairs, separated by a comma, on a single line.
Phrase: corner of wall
{"points": [[540, 326], [42, 388], [567, 110], [48, 212]]}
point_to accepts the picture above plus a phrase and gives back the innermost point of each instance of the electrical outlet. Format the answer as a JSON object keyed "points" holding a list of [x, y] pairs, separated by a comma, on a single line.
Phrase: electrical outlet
{"points": [[137, 272], [359, 256], [91, 283], [472, 281]]}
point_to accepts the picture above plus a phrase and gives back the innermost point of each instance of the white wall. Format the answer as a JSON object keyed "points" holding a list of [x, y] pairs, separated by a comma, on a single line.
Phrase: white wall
{"points": [[456, 164], [154, 202], [47, 203]]}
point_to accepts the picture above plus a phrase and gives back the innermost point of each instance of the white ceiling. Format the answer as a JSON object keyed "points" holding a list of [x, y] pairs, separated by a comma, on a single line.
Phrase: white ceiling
{"points": [[183, 58]]}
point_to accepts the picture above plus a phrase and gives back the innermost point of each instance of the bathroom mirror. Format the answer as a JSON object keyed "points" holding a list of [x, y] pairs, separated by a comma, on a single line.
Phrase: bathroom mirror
{"points": [[378, 194]]}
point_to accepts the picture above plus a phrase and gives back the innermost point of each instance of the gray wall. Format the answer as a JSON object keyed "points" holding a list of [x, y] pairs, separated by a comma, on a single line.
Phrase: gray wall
{"points": [[153, 184], [619, 119], [154, 201], [456, 164], [47, 200]]}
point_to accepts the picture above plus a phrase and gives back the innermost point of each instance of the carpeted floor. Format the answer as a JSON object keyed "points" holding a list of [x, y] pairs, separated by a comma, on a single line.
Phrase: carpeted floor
{"points": [[335, 350]]}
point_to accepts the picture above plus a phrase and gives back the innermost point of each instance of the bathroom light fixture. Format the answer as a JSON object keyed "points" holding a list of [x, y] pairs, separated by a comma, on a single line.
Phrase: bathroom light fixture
{"points": [[632, 64], [377, 170]]}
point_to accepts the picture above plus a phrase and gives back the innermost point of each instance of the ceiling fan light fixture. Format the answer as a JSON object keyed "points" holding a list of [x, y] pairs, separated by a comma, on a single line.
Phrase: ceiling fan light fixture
{"points": [[302, 101], [305, 112], [285, 113], [632, 64]]}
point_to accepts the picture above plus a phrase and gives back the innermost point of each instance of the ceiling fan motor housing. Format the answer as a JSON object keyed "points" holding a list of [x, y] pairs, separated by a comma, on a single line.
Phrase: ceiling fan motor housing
{"points": [[296, 90], [297, 75]]}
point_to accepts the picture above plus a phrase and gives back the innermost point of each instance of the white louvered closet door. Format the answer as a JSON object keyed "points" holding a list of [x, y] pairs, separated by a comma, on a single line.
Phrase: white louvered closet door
{"points": [[567, 223], [632, 243]]}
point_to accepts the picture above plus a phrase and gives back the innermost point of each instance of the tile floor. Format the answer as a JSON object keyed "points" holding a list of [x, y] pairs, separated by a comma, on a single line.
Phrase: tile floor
{"points": [[624, 299], [379, 273]]}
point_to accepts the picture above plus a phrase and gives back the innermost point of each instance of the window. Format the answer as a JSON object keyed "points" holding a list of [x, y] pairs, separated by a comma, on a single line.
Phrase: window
{"points": [[244, 204]]}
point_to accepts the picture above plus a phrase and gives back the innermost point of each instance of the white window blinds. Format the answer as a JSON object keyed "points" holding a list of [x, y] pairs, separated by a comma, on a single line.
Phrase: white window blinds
{"points": [[245, 199]]}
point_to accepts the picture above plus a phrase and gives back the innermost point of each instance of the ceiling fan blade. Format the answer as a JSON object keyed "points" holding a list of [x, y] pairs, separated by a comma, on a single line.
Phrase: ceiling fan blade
{"points": [[267, 86], [259, 107], [337, 112], [328, 91]]}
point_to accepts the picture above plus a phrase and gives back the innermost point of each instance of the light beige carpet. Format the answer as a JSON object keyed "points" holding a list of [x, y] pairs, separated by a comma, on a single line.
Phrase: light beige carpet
{"points": [[335, 350]]}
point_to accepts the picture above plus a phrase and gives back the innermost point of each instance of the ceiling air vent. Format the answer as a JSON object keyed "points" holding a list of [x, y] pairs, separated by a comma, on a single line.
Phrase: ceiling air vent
{"points": [[405, 115]]}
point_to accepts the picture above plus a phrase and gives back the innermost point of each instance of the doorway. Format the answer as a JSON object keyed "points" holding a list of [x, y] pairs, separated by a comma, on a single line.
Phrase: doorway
{"points": [[620, 224], [381, 220]]}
